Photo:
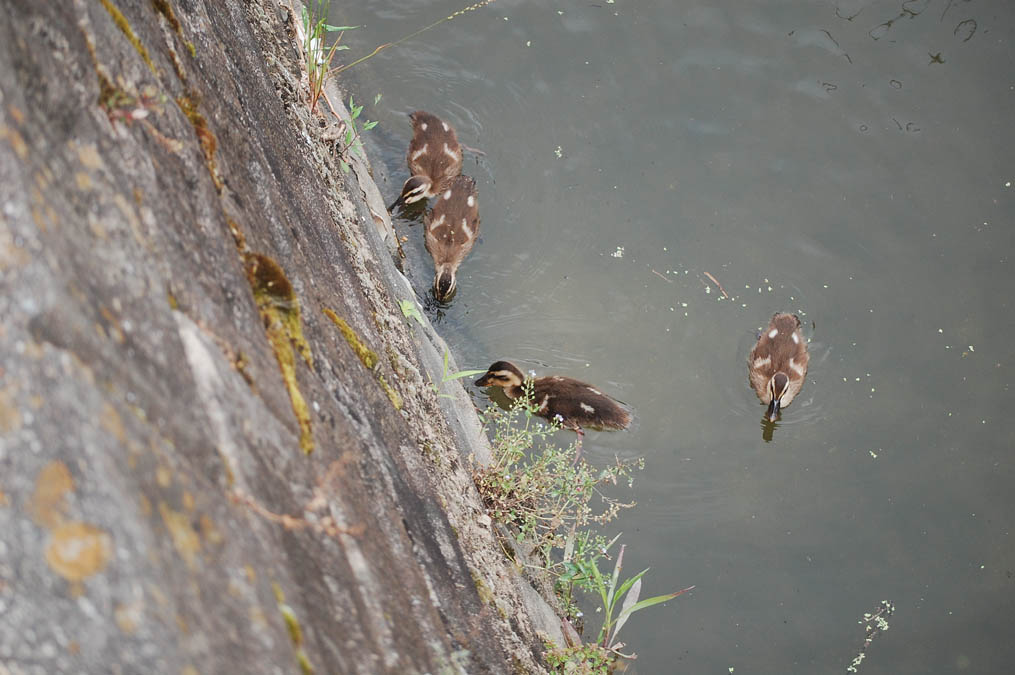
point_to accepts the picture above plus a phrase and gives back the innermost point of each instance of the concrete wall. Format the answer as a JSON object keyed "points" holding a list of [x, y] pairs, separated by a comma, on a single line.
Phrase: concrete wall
{"points": [[219, 449]]}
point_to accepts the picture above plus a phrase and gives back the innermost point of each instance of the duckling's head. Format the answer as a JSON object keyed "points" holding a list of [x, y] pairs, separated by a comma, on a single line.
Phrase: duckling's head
{"points": [[777, 386], [444, 282], [415, 189], [502, 374]]}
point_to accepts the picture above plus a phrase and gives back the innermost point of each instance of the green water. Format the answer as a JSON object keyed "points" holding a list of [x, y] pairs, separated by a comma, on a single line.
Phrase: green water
{"points": [[849, 162]]}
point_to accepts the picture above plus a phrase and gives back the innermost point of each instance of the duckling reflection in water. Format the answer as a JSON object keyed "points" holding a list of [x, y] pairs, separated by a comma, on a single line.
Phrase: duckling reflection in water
{"points": [[434, 158], [575, 403], [778, 363]]}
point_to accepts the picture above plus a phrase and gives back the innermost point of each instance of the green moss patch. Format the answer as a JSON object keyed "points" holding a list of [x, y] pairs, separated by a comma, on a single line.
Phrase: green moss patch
{"points": [[292, 625], [121, 22], [188, 104], [165, 9], [366, 355], [280, 310]]}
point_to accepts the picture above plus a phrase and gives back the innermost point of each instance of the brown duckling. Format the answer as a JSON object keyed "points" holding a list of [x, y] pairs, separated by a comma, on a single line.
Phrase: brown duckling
{"points": [[434, 158], [778, 363], [576, 404], [451, 229]]}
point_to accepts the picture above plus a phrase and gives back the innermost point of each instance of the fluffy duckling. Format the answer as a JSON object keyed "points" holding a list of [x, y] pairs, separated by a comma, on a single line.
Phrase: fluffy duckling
{"points": [[434, 158], [778, 363], [577, 404], [451, 229]]}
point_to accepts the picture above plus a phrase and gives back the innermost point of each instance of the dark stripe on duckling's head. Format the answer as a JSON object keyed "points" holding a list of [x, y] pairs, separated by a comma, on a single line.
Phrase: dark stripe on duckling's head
{"points": [[501, 374], [415, 189], [444, 284], [779, 383]]}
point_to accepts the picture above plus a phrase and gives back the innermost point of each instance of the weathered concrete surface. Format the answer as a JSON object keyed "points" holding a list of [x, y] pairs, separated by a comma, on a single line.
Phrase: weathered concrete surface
{"points": [[158, 513]]}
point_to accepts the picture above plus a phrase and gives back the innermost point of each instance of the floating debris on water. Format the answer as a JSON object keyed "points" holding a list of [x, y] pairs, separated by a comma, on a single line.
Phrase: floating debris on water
{"points": [[619, 253]]}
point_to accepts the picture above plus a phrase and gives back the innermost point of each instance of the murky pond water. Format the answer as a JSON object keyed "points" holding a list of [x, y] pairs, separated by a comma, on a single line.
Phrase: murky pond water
{"points": [[658, 179]]}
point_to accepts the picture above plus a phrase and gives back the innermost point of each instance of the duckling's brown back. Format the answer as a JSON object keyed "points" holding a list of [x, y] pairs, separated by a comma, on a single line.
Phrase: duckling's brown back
{"points": [[434, 151], [452, 226], [578, 404], [780, 349]]}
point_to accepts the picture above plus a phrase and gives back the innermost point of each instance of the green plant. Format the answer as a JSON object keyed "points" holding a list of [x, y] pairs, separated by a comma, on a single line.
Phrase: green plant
{"points": [[543, 492], [352, 140], [582, 659], [447, 376], [317, 57], [610, 595], [410, 310], [600, 656]]}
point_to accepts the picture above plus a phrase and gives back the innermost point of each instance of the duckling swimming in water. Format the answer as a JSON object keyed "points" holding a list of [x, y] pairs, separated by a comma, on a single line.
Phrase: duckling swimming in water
{"points": [[778, 363], [575, 403], [434, 158], [452, 227]]}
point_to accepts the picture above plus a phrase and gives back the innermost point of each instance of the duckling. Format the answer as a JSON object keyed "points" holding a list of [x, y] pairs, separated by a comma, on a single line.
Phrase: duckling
{"points": [[576, 404], [451, 229], [778, 363], [434, 158]]}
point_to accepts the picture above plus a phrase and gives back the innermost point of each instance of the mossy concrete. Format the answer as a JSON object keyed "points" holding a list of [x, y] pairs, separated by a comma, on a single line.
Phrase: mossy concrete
{"points": [[158, 511]]}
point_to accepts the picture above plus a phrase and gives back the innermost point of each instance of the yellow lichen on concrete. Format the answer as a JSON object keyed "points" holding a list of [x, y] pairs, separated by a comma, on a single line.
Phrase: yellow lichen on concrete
{"points": [[48, 505], [185, 539], [166, 10], [292, 625], [77, 550], [393, 396], [121, 22], [128, 616], [163, 476], [209, 530], [280, 311], [88, 155], [112, 422], [366, 355], [10, 416], [188, 104], [14, 138]]}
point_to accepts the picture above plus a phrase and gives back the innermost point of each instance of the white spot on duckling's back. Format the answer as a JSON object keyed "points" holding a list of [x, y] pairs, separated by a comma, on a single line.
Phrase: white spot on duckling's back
{"points": [[437, 223], [762, 362], [466, 229], [447, 194], [446, 127], [471, 201], [796, 340], [543, 404], [772, 333], [796, 367], [419, 153], [423, 126], [595, 391], [449, 153], [587, 408]]}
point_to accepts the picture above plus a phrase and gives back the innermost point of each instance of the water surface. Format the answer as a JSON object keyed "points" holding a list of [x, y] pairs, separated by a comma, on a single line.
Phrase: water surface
{"points": [[849, 162]]}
